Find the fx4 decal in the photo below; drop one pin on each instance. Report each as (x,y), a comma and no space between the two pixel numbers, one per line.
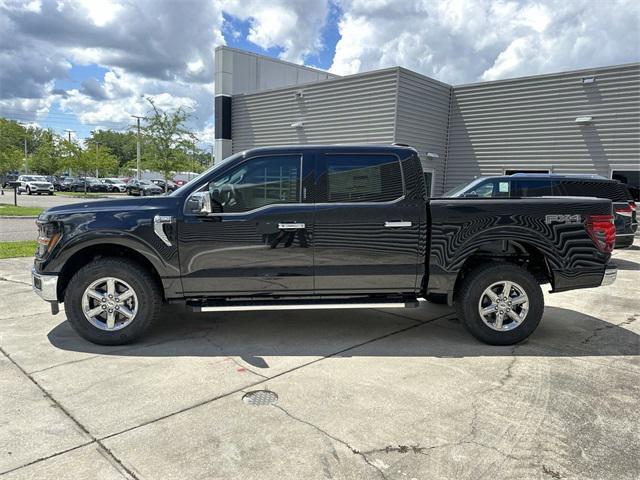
(562,218)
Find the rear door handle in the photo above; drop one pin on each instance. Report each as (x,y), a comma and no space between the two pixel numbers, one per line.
(397,224)
(291,226)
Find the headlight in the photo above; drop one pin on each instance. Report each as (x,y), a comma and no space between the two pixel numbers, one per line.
(48,236)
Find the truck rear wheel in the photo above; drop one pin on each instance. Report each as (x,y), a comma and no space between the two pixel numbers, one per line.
(500,304)
(112,301)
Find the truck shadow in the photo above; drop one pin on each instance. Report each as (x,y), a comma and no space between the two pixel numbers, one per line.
(623,264)
(256,335)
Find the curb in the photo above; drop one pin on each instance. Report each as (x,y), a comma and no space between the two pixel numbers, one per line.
(20,217)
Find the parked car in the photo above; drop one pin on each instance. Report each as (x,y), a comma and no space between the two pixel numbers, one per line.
(318,227)
(523,185)
(89,184)
(66,184)
(34,184)
(143,188)
(9,179)
(54,180)
(115,185)
(171,187)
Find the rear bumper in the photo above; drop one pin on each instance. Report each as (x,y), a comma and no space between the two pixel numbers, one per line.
(45,285)
(610,274)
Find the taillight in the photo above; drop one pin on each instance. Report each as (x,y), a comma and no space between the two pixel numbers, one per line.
(627,210)
(633,205)
(602,231)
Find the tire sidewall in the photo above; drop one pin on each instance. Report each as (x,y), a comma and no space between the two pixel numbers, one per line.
(144,287)
(475,285)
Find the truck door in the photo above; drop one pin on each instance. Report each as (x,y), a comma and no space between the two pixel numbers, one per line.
(367,232)
(258,238)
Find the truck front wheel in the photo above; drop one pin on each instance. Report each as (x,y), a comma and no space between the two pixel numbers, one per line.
(500,304)
(112,301)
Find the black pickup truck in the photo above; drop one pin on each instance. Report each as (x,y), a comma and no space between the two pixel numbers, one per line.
(318,227)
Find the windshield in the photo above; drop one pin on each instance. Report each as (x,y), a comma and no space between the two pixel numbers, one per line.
(35,178)
(208,171)
(460,189)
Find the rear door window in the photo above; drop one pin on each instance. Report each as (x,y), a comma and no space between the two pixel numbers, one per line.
(359,178)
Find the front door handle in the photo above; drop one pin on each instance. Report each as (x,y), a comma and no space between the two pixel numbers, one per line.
(396,224)
(291,226)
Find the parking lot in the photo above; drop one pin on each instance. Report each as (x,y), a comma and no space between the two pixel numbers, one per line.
(398,394)
(15,229)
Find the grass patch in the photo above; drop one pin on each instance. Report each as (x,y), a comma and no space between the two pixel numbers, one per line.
(82,194)
(25,248)
(13,211)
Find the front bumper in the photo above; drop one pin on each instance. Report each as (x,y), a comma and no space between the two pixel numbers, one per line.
(610,274)
(45,285)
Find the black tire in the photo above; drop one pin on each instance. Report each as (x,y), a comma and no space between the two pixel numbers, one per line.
(29,191)
(471,291)
(142,193)
(50,193)
(437,298)
(141,281)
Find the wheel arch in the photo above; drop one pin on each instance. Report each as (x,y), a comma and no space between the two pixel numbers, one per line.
(515,252)
(92,252)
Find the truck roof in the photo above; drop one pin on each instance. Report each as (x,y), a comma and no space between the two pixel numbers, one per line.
(350,147)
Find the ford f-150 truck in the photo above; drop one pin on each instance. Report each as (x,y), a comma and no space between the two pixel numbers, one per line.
(318,227)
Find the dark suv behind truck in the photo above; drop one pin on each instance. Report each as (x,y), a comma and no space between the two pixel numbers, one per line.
(522,185)
(318,227)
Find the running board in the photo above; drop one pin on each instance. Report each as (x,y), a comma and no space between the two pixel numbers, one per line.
(290,305)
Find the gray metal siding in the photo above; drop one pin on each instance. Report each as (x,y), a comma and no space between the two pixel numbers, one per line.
(421,120)
(529,123)
(355,109)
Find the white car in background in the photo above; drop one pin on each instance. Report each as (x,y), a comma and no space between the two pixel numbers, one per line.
(115,184)
(32,184)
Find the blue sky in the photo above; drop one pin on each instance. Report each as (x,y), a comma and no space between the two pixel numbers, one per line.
(85,64)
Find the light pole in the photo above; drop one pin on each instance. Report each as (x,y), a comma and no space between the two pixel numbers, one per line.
(137,117)
(97,162)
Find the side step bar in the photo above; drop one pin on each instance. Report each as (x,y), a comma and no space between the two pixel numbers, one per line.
(291,305)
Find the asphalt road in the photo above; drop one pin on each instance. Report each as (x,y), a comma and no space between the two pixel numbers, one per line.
(15,229)
(366,394)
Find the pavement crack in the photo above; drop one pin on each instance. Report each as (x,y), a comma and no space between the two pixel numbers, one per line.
(5,279)
(68,415)
(335,439)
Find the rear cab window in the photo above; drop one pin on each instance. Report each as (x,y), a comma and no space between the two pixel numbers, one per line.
(532,188)
(491,189)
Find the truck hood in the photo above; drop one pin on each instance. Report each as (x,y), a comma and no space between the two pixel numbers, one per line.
(114,206)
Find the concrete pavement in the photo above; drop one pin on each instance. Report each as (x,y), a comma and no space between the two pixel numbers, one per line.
(361,394)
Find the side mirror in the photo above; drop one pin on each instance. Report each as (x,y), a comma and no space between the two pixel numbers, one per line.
(199,204)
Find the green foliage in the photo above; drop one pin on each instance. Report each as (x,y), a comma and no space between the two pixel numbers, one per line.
(11,160)
(169,139)
(47,159)
(122,145)
(100,160)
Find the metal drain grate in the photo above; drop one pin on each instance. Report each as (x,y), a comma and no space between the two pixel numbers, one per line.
(260,398)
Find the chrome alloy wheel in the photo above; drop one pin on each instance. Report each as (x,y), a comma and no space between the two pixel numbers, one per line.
(503,306)
(109,304)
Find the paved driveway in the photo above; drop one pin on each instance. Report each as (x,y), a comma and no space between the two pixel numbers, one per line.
(361,394)
(14,229)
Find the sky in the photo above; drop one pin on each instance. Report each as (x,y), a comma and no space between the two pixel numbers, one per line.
(89,64)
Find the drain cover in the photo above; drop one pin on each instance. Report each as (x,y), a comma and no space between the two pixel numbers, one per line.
(260,398)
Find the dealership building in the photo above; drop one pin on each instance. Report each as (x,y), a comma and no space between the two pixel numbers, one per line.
(577,122)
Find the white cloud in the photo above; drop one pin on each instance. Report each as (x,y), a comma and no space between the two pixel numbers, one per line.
(460,41)
(294,26)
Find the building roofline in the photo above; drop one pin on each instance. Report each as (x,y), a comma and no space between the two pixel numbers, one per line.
(276,60)
(582,71)
(300,86)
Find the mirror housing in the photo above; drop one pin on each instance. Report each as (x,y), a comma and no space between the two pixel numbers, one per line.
(199,204)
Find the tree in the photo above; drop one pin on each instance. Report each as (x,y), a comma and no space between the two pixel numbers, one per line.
(122,145)
(47,159)
(169,139)
(11,160)
(100,161)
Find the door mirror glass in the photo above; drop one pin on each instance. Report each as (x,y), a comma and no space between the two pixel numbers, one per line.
(199,204)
